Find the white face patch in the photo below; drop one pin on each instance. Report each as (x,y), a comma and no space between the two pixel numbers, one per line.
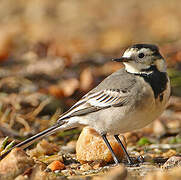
(130,68)
(133,67)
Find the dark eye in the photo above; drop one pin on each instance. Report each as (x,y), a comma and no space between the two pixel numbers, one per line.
(141,55)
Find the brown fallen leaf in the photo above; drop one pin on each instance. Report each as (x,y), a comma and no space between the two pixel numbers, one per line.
(43,148)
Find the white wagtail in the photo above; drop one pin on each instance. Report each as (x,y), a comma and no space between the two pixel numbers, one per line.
(128,99)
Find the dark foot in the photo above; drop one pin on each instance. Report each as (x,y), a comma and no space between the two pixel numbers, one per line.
(130,161)
(135,162)
(140,159)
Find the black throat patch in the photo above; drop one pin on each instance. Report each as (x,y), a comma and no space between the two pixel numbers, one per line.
(157,80)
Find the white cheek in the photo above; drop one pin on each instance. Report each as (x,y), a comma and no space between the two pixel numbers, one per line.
(132,68)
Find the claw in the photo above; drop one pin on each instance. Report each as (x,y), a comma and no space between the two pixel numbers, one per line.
(140,159)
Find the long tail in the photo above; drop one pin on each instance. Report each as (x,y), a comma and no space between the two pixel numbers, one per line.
(46,132)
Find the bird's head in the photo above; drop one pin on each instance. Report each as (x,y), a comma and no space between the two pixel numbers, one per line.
(142,58)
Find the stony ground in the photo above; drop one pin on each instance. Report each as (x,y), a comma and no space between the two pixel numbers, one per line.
(51,54)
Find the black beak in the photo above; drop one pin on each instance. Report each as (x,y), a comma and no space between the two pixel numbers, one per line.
(122,59)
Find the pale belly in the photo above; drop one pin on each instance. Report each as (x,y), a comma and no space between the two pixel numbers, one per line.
(117,120)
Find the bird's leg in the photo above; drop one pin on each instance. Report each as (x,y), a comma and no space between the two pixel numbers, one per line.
(126,153)
(110,148)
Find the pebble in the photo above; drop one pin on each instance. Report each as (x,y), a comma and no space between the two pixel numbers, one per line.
(85,167)
(56,165)
(91,147)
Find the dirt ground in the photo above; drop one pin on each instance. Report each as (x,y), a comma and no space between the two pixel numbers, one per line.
(54,52)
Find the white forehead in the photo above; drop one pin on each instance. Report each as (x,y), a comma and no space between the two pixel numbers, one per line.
(133,51)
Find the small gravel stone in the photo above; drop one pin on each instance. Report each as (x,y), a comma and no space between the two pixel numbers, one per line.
(85,167)
(56,165)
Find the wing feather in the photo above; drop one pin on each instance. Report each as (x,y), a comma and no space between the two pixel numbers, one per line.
(96,101)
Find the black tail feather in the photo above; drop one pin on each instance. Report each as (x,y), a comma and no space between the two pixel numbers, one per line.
(24,144)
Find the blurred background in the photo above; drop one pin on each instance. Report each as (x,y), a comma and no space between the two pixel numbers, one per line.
(53,52)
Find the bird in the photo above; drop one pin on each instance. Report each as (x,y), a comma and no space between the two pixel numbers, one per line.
(127,100)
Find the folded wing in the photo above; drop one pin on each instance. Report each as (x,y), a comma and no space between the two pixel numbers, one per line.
(96,101)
